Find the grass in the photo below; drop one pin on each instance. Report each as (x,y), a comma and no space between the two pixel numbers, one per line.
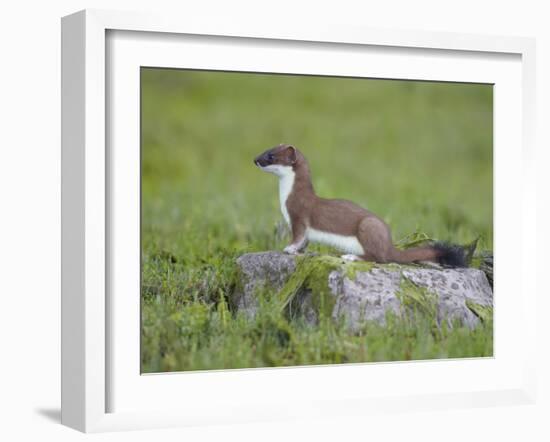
(418,154)
(202,336)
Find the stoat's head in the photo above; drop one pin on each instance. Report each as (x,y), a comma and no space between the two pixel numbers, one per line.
(279,160)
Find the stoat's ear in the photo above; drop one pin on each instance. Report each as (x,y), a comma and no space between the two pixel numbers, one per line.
(291,154)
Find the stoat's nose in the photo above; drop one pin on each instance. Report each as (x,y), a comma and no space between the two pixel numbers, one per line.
(258,161)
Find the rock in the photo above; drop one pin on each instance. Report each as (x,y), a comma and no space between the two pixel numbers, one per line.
(271,269)
(310,285)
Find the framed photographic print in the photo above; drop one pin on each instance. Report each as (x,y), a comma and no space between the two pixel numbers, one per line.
(355,275)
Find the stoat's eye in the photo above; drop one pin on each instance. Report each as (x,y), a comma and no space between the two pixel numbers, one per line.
(270,157)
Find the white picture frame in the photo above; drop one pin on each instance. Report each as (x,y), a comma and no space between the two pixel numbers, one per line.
(88,321)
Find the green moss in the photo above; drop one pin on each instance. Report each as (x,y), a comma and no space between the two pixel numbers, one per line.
(483,312)
(312,273)
(418,300)
(351,268)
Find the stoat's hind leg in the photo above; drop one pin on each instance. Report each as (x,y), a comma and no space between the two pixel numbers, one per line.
(375,238)
(351,258)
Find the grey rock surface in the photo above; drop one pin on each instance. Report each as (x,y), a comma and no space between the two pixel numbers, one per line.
(366,295)
(258,270)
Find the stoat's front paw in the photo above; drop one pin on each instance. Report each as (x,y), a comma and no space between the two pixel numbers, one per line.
(291,249)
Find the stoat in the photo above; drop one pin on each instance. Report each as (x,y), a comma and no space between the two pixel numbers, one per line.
(360,234)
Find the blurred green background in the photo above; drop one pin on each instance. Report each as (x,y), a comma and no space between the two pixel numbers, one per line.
(418,154)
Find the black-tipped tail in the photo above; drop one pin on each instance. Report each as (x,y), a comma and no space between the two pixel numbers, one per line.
(450,255)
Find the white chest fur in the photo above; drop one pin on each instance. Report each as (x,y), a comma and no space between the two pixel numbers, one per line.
(286,182)
(348,244)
